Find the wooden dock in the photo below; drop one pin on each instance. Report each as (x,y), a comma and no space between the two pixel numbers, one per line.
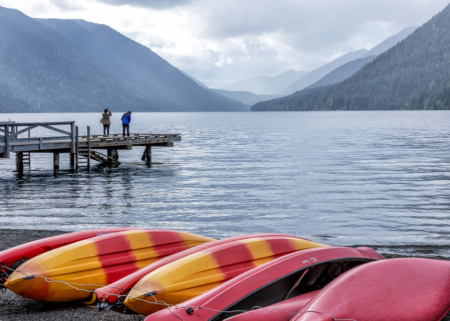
(82,148)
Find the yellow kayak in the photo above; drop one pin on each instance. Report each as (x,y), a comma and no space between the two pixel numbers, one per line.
(94,263)
(197,273)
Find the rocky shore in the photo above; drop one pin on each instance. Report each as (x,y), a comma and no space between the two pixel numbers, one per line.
(14,307)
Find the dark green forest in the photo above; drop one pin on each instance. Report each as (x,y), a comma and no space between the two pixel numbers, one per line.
(413,75)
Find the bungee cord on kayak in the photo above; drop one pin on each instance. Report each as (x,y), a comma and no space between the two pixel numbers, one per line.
(29,276)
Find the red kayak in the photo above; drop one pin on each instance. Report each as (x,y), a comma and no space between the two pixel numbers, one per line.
(407,289)
(112,296)
(281,279)
(14,257)
(282,311)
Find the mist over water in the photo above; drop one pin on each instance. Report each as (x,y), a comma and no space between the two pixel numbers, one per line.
(341,178)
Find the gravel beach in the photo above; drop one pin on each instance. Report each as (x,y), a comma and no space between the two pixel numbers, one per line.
(14,307)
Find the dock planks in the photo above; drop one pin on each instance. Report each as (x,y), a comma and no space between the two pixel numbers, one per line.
(11,142)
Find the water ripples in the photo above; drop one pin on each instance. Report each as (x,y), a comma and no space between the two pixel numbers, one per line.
(377,178)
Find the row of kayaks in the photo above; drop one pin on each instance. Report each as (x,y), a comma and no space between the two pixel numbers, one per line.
(171,275)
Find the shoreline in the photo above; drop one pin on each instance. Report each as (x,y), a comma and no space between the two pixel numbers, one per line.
(15,307)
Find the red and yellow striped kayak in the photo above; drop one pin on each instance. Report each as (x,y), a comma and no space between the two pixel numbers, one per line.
(12,258)
(202,271)
(110,293)
(94,263)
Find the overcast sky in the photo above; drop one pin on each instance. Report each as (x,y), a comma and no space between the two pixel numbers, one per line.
(221,41)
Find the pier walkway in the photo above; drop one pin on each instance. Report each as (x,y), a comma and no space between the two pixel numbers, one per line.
(17,138)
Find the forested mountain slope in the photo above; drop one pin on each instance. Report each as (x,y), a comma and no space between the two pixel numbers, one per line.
(414,74)
(198,82)
(81,66)
(41,71)
(163,85)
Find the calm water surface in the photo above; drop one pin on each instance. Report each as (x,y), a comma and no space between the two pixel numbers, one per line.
(343,178)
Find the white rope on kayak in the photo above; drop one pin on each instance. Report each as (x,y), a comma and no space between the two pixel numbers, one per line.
(30,275)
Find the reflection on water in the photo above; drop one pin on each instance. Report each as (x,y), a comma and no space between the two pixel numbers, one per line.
(336,177)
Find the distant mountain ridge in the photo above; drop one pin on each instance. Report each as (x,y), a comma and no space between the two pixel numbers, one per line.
(51,65)
(414,74)
(343,72)
(331,73)
(317,74)
(245,97)
(266,85)
(349,69)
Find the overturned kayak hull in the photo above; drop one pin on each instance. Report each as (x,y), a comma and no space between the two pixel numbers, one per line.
(72,272)
(408,289)
(12,258)
(202,271)
(284,278)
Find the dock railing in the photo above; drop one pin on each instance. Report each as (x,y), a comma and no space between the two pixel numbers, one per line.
(10,131)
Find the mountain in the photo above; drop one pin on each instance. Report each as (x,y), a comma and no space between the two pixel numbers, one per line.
(73,65)
(317,74)
(343,72)
(349,69)
(390,42)
(198,82)
(414,74)
(264,85)
(245,97)
(140,68)
(40,70)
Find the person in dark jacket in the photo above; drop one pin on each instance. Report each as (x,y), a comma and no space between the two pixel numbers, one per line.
(106,121)
(126,119)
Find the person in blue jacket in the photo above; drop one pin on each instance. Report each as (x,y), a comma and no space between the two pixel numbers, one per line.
(126,119)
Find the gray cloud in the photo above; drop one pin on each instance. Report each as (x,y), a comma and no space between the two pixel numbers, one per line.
(316,24)
(66,5)
(151,4)
(302,34)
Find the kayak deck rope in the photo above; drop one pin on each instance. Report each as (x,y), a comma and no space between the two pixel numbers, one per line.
(189,309)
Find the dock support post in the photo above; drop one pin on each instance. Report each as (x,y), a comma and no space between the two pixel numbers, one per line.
(6,153)
(76,149)
(72,161)
(19,162)
(147,156)
(73,146)
(110,155)
(115,154)
(89,148)
(55,163)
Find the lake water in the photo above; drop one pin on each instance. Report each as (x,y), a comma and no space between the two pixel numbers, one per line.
(342,178)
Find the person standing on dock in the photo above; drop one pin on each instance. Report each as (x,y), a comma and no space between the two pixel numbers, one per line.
(106,121)
(126,119)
